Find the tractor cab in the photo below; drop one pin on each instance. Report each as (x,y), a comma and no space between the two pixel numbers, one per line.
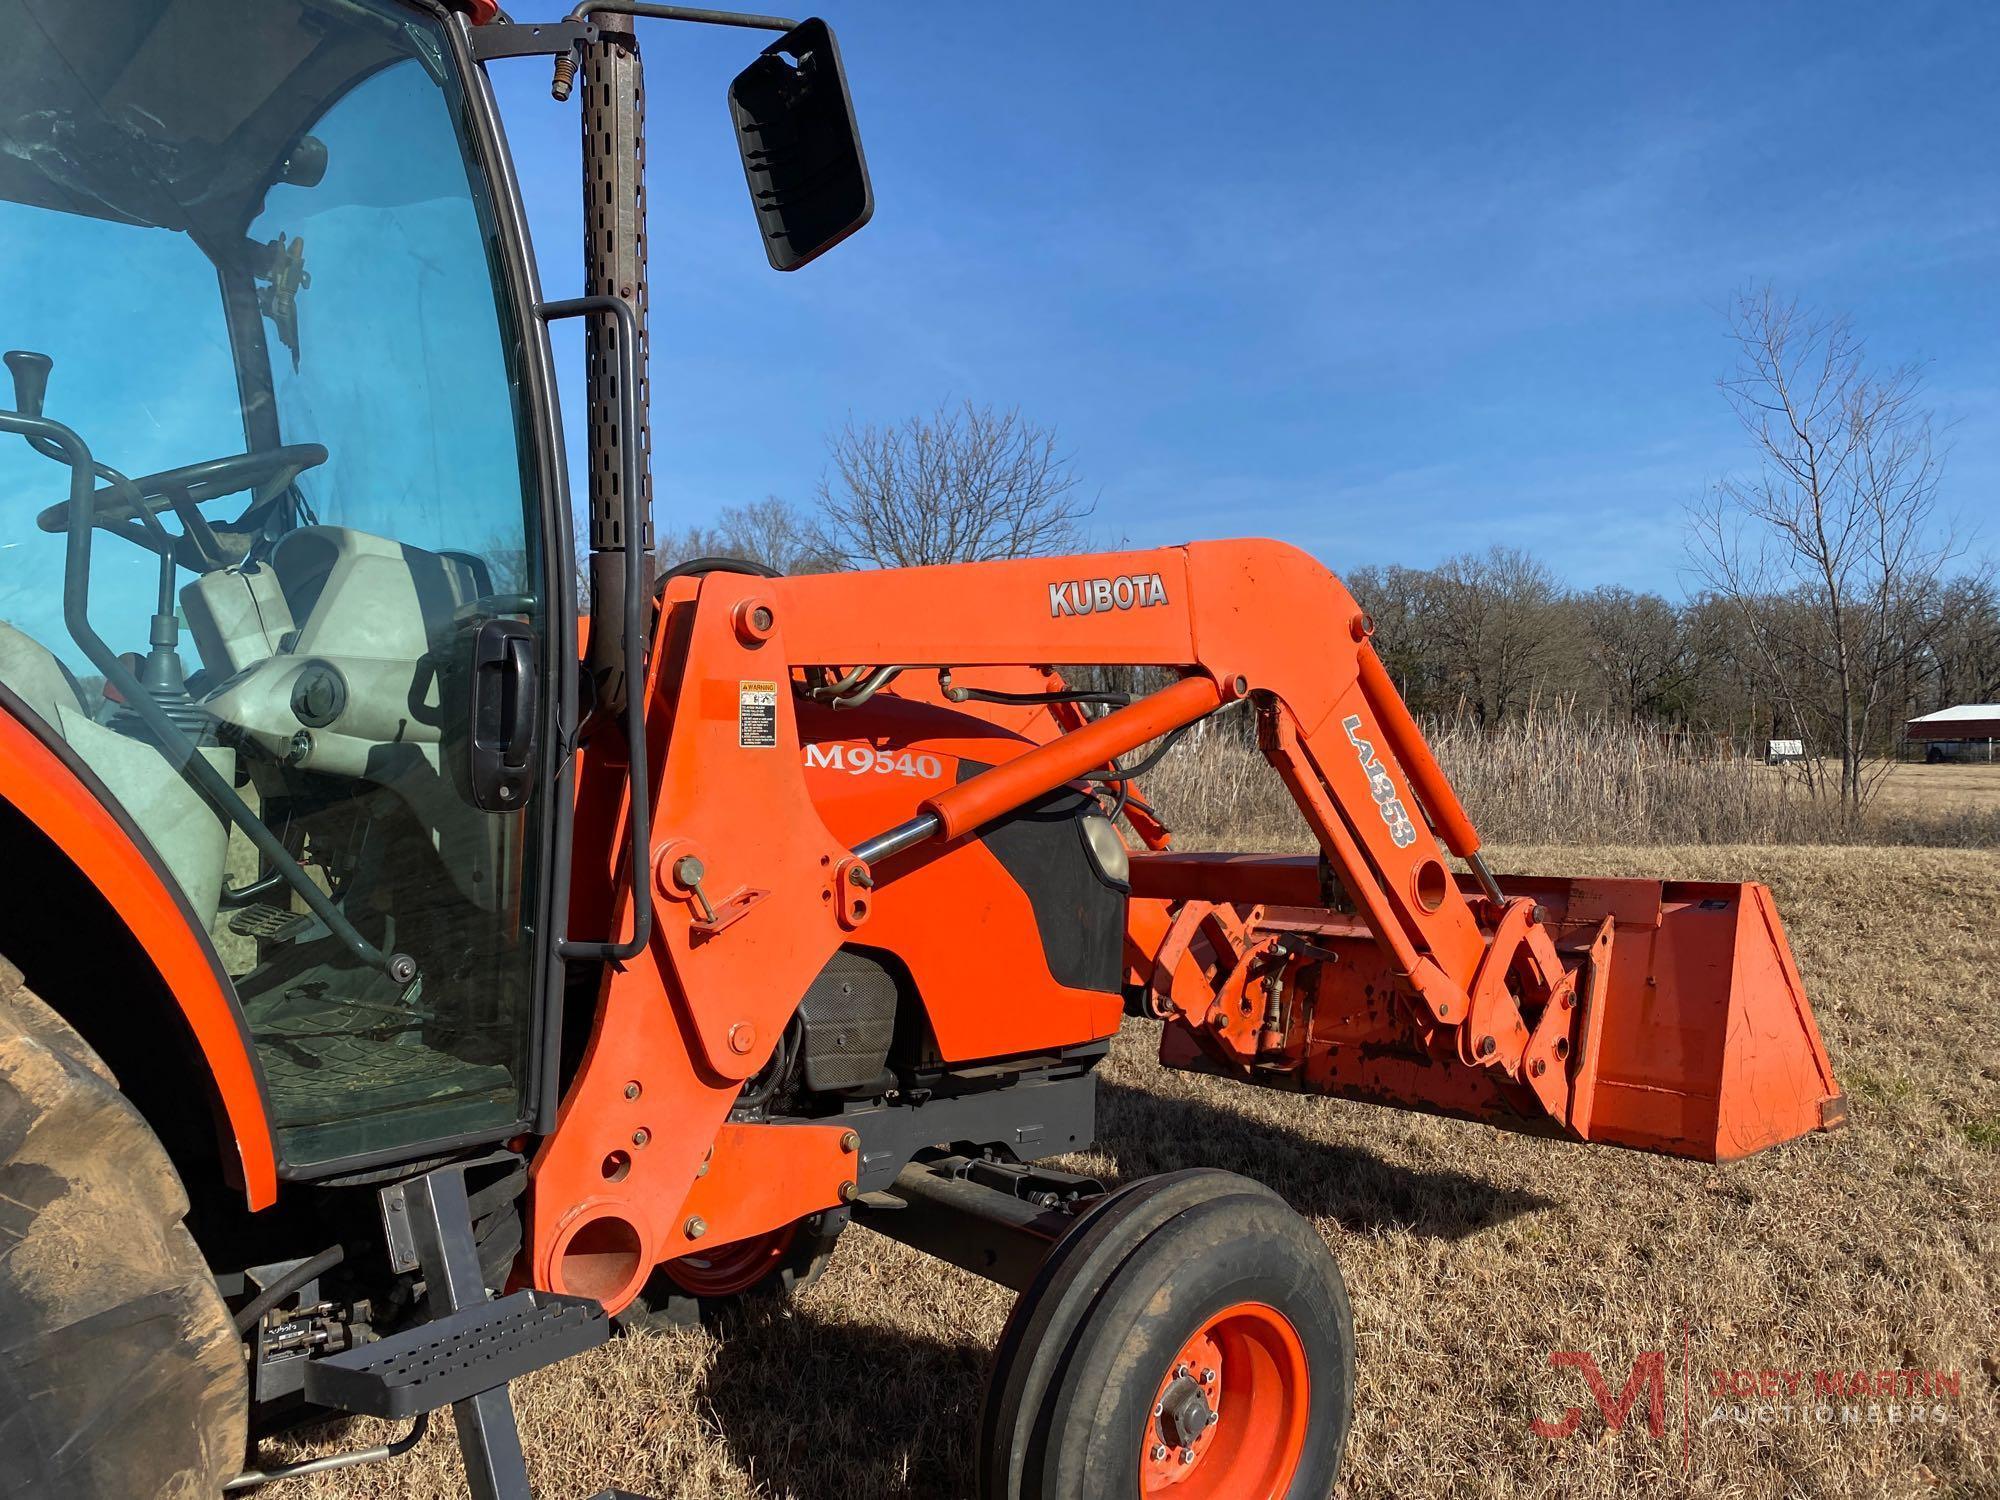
(290,557)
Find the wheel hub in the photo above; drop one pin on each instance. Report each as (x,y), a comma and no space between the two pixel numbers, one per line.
(1250,1354)
(1185,1413)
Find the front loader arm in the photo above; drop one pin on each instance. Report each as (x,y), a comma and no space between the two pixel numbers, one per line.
(1241,619)
(1568,1007)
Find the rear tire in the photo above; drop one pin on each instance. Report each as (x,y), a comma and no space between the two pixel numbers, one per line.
(704,1289)
(120,1372)
(1204,1269)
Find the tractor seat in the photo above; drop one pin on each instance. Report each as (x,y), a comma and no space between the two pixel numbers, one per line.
(188,835)
(32,673)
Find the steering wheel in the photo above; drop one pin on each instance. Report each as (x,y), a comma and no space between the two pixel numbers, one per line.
(270,470)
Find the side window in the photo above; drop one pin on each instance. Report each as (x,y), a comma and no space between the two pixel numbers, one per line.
(389,332)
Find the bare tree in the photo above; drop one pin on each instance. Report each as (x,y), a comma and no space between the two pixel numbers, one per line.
(1638,647)
(1494,619)
(1402,603)
(768,532)
(1822,548)
(964,484)
(1964,664)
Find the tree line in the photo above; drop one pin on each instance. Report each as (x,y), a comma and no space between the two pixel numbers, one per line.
(1495,634)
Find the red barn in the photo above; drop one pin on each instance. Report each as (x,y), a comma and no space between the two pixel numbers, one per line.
(1959,729)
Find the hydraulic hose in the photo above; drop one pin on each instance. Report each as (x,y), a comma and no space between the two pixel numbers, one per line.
(317,1265)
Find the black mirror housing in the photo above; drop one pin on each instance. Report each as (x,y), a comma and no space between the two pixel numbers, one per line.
(801,148)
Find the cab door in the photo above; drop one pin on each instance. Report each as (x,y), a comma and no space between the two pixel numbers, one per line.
(419,616)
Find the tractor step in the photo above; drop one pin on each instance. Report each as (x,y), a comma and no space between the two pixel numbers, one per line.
(457,1356)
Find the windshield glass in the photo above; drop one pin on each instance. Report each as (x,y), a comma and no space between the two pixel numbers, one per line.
(251,247)
(139,286)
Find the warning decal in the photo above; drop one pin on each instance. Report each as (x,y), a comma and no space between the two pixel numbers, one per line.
(757,715)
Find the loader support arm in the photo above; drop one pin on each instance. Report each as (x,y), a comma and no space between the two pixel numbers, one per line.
(1382,976)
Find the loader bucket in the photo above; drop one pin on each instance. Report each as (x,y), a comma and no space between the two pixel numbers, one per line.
(1700,1042)
(1693,1038)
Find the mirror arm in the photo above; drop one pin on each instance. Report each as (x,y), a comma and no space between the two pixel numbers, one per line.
(697,14)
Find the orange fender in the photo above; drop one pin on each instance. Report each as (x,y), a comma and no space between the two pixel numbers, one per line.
(65,802)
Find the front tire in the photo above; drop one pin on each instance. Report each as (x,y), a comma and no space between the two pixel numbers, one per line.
(121,1374)
(1200,1345)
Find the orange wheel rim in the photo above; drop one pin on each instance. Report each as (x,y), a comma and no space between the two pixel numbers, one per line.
(1228,1419)
(731,1269)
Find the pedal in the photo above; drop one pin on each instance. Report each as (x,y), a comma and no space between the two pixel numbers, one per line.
(272,923)
(458,1356)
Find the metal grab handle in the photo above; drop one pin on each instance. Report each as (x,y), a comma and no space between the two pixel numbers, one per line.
(635,630)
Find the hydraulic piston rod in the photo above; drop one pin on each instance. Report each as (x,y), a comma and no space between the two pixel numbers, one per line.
(992,794)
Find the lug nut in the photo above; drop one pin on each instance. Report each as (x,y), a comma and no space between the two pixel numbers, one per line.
(1208,1377)
(1187,1455)
(1159,1408)
(1159,1452)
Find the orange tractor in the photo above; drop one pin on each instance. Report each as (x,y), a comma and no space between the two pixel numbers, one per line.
(398,988)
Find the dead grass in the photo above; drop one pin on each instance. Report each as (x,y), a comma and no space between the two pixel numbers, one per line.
(1974,787)
(1558,777)
(1471,1256)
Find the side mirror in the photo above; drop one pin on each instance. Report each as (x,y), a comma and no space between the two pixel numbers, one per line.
(801,149)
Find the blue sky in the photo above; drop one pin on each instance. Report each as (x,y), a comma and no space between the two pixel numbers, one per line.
(1387,281)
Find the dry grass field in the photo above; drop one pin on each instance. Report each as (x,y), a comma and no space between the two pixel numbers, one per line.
(1972,787)
(1471,1256)
(1554,776)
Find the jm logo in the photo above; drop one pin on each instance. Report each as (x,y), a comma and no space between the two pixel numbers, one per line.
(1648,1377)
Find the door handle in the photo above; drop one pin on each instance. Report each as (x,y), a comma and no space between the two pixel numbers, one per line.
(504,712)
(520,705)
